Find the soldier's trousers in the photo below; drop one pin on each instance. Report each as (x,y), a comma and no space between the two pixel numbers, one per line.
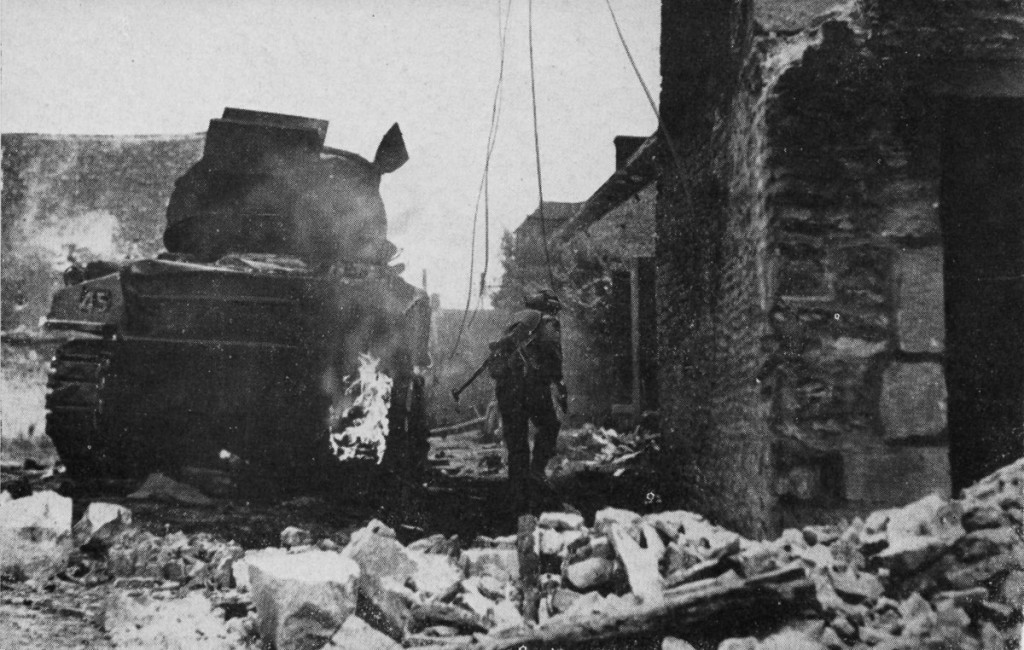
(521,402)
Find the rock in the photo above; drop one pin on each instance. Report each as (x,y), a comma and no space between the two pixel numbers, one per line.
(140,621)
(435,575)
(551,542)
(35,535)
(789,640)
(625,518)
(491,587)
(240,574)
(357,634)
(502,563)
(1012,589)
(831,640)
(426,544)
(561,521)
(858,586)
(590,573)
(746,643)
(158,487)
(294,536)
(931,516)
(985,543)
(906,554)
(379,554)
(563,599)
(962,597)
(386,605)
(301,599)
(672,643)
(965,577)
(100,523)
(820,534)
(504,615)
(983,516)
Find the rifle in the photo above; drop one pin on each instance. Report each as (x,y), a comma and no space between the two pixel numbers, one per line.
(503,344)
(479,371)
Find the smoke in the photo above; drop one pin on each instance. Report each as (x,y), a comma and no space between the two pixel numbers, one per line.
(362,428)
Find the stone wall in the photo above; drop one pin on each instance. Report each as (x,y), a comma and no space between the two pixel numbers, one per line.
(105,196)
(800,253)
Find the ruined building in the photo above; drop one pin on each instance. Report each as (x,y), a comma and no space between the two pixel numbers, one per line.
(840,252)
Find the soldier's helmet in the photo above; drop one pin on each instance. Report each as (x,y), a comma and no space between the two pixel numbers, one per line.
(545,301)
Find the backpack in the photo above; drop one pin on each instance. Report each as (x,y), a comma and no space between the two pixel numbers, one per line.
(507,353)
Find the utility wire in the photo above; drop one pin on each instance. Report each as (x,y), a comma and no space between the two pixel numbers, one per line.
(491,138)
(669,142)
(536,147)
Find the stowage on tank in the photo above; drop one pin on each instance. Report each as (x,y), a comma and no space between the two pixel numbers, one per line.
(239,341)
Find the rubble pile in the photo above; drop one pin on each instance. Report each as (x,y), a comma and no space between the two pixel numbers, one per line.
(596,448)
(933,574)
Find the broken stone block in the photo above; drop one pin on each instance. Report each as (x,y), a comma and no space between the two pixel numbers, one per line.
(294,536)
(379,554)
(301,599)
(625,518)
(427,543)
(562,600)
(100,523)
(830,639)
(357,634)
(745,643)
(1012,589)
(931,515)
(552,542)
(35,535)
(561,521)
(908,554)
(858,586)
(590,573)
(965,577)
(435,575)
(502,563)
(962,597)
(821,534)
(386,605)
(672,643)
(983,516)
(504,616)
(986,543)
(159,487)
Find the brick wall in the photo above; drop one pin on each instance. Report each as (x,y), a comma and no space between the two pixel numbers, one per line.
(800,256)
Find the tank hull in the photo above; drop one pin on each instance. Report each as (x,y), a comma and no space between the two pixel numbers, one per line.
(191,365)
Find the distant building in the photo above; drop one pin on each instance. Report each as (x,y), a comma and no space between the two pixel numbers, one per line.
(601,254)
(616,225)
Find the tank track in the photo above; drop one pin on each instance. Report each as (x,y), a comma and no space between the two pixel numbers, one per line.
(77,411)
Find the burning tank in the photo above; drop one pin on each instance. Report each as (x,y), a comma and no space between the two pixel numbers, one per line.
(273,332)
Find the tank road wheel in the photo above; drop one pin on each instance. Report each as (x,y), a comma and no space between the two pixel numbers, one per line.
(78,412)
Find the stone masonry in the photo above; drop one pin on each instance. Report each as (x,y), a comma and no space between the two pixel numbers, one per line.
(801,297)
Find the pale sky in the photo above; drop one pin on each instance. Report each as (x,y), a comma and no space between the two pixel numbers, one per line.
(169,66)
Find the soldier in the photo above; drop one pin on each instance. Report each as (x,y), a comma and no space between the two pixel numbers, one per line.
(524,364)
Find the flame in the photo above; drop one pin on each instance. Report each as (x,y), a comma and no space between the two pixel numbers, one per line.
(366,420)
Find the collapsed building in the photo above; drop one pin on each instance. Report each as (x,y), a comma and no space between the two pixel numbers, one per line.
(839,252)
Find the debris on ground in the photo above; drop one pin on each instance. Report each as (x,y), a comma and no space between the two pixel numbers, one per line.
(35,535)
(101,522)
(159,487)
(303,598)
(592,448)
(936,573)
